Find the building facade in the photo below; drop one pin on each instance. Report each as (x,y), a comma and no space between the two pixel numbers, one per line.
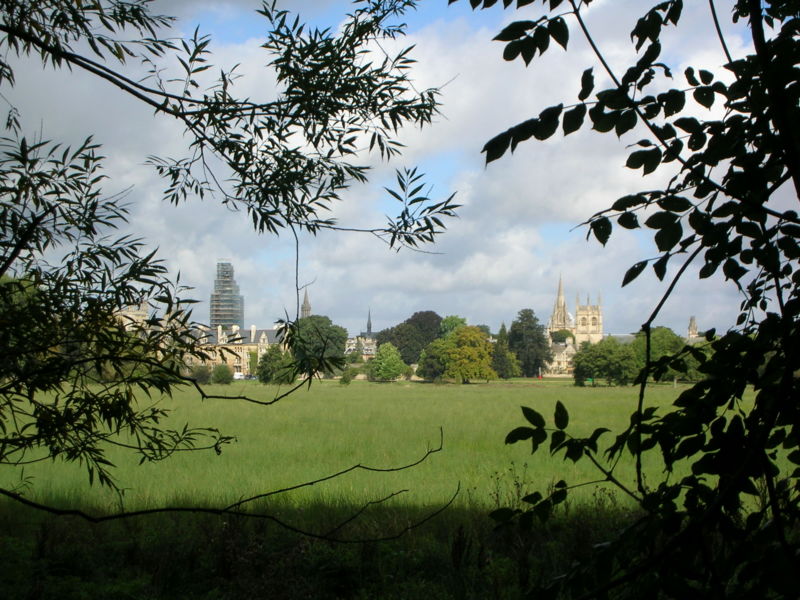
(586,325)
(227,304)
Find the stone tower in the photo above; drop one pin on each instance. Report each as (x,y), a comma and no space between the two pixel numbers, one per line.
(585,326)
(369,323)
(560,318)
(305,310)
(588,321)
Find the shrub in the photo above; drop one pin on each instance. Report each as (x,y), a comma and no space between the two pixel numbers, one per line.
(222,374)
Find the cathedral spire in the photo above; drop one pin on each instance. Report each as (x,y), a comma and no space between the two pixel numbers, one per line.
(369,321)
(305,310)
(560,317)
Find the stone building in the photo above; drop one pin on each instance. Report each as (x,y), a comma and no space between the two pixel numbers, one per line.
(235,347)
(369,345)
(585,326)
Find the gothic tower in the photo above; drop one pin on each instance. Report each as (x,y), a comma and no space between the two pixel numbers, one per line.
(560,318)
(305,310)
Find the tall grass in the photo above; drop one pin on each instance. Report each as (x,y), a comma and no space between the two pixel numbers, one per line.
(330,427)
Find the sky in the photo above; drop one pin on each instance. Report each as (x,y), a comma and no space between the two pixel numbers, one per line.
(518,230)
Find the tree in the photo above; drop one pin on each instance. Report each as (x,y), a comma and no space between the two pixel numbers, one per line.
(664,343)
(283,162)
(504,362)
(528,341)
(428,323)
(222,374)
(607,359)
(412,335)
(318,345)
(387,364)
(470,356)
(561,336)
(450,323)
(406,338)
(276,366)
(433,360)
(730,143)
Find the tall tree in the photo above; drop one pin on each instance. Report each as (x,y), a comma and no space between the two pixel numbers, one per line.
(607,359)
(504,362)
(318,345)
(470,356)
(528,341)
(412,335)
(387,364)
(727,142)
(283,162)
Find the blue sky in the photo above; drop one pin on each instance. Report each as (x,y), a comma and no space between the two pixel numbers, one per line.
(516,233)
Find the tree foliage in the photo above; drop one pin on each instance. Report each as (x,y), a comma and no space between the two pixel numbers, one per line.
(317,345)
(276,366)
(724,516)
(412,335)
(387,364)
(222,374)
(607,359)
(450,323)
(470,356)
(504,362)
(65,275)
(528,341)
(433,359)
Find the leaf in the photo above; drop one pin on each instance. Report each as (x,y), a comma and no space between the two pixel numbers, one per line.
(558,30)
(628,220)
(556,439)
(688,124)
(497,146)
(668,236)
(533,417)
(548,122)
(573,119)
(675,203)
(626,122)
(704,96)
(647,159)
(512,50)
(587,84)
(633,272)
(602,229)
(561,416)
(690,77)
(514,31)
(660,220)
(660,266)
(519,434)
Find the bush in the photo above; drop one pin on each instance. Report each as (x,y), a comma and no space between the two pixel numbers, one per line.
(222,374)
(348,375)
(201,374)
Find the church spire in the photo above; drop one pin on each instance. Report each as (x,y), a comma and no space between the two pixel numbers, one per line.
(560,317)
(305,310)
(369,321)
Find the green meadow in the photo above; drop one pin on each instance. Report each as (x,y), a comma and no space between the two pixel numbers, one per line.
(307,436)
(325,429)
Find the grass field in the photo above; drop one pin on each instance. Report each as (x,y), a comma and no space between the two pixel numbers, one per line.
(330,427)
(309,435)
